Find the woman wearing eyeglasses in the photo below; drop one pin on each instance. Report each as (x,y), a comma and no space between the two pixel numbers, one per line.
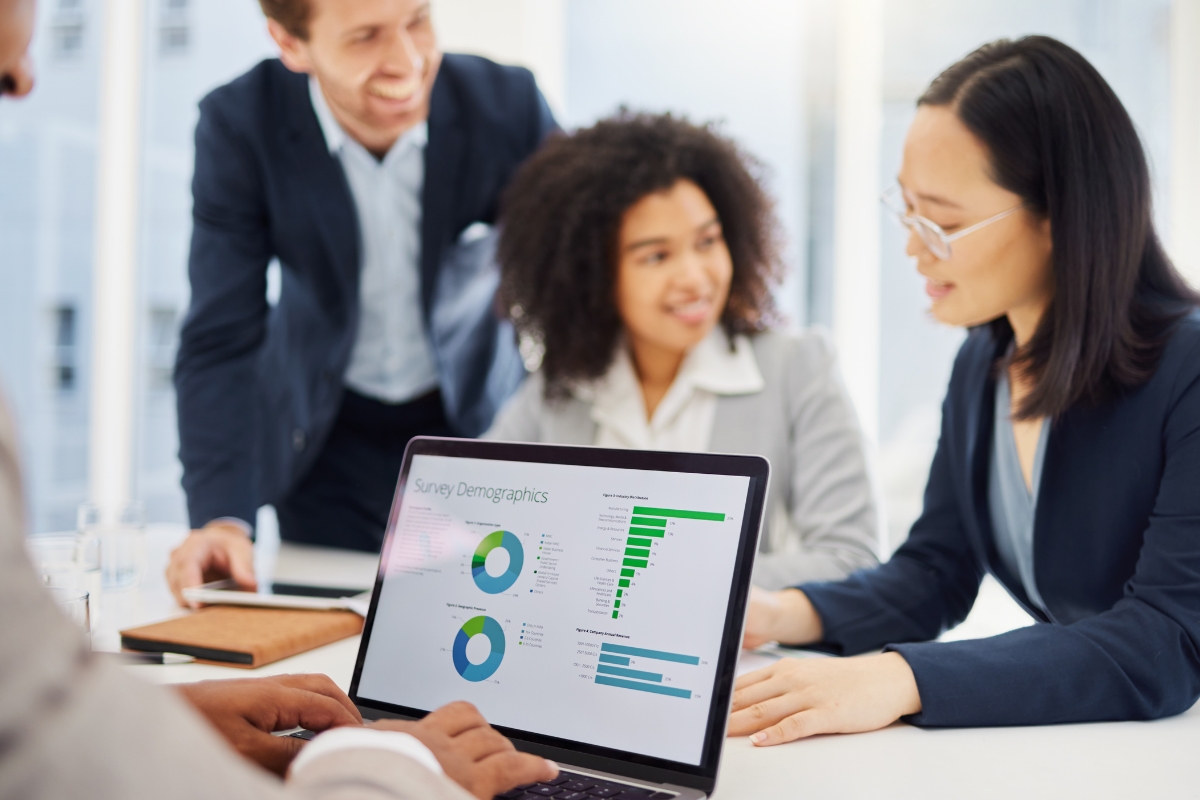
(641,253)
(1069,459)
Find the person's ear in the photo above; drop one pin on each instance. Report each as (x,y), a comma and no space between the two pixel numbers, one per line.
(293,51)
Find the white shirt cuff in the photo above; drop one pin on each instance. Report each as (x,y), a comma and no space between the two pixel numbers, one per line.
(337,739)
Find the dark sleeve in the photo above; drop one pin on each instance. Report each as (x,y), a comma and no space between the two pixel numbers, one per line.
(544,123)
(215,375)
(927,587)
(1139,660)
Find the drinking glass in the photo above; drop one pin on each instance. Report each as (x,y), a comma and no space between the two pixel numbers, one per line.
(122,536)
(67,561)
(75,605)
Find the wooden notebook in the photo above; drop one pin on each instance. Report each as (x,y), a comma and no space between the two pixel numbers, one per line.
(234,636)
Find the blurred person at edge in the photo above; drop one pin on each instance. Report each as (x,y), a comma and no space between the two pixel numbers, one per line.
(75,725)
(369,165)
(1069,456)
(641,252)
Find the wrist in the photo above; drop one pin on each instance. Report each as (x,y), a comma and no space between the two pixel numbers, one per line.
(901,677)
(798,621)
(226,525)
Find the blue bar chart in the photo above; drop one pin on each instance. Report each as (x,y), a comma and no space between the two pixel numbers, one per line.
(616,669)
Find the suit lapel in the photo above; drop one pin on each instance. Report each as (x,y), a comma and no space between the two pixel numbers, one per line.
(444,156)
(326,192)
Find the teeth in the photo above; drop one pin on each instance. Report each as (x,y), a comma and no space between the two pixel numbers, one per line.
(394,91)
(699,305)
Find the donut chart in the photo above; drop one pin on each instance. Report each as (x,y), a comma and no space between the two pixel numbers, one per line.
(495,634)
(516,557)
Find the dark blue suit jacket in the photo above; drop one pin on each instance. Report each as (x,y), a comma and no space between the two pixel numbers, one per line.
(1116,557)
(258,388)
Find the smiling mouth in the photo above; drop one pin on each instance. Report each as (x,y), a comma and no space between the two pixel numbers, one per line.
(395,90)
(695,311)
(937,289)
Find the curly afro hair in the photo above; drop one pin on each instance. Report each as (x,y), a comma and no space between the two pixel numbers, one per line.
(560,224)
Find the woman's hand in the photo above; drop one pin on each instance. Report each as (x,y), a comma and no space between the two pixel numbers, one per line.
(786,617)
(798,697)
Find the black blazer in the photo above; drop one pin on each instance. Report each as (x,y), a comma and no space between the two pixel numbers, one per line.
(258,388)
(1116,558)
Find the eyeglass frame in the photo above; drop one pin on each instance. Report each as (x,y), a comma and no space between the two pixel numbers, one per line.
(917,223)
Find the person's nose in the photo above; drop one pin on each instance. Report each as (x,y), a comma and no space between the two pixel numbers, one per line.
(915,246)
(18,81)
(693,272)
(403,57)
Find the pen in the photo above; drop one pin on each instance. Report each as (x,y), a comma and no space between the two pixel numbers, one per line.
(152,658)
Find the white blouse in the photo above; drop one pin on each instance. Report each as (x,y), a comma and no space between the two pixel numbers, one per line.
(683,420)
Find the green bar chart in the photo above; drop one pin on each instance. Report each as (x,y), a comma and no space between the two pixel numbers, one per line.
(648,529)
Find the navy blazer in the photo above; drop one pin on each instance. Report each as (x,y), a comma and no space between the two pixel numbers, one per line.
(258,388)
(1116,557)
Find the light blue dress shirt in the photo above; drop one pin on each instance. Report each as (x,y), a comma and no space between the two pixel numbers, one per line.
(392,359)
(1011,503)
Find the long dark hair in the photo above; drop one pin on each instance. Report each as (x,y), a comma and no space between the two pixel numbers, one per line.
(560,220)
(1060,139)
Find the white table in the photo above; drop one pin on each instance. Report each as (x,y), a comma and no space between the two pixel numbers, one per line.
(1119,760)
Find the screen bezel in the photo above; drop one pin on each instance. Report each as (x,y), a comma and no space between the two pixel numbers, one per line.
(582,754)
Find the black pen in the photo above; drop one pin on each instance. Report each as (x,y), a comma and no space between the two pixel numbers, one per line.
(151,658)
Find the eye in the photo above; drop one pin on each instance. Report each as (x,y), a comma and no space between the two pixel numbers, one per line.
(422,18)
(365,35)
(655,257)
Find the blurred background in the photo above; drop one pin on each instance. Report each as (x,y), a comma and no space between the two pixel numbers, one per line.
(820,92)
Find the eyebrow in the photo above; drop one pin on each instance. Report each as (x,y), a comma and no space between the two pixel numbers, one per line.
(931,198)
(663,239)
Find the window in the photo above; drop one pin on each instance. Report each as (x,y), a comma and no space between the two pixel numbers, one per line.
(161,340)
(67,29)
(64,368)
(174,32)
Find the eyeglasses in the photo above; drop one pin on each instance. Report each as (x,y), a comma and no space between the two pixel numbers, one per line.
(936,239)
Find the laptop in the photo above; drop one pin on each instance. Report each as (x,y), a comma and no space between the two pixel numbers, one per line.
(588,601)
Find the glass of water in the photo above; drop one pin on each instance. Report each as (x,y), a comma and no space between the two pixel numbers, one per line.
(122,536)
(75,605)
(67,561)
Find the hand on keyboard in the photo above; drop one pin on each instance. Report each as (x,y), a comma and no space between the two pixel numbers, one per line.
(472,753)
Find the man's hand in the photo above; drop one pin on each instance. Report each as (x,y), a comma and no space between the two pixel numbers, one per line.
(218,550)
(472,753)
(246,711)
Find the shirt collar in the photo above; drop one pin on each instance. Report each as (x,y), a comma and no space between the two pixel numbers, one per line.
(336,136)
(710,366)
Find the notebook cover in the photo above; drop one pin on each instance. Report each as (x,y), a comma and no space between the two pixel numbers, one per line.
(243,636)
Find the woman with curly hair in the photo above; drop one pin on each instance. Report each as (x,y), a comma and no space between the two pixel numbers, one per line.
(640,254)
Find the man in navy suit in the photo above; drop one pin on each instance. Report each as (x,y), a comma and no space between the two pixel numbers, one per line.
(368,165)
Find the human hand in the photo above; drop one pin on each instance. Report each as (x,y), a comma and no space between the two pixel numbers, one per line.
(786,617)
(798,697)
(472,753)
(218,550)
(245,712)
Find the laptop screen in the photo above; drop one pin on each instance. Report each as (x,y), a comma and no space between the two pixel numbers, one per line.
(583,603)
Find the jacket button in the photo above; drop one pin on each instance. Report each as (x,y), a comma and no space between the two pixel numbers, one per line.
(298,440)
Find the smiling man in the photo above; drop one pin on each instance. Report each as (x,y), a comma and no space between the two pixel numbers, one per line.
(361,160)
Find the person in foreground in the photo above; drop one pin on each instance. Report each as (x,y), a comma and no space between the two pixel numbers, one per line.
(74,725)
(1069,460)
(641,253)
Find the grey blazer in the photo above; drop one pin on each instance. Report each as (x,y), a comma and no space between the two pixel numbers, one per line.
(74,726)
(821,519)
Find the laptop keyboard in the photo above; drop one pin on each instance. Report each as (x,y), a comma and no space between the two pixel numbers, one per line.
(573,786)
(567,786)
